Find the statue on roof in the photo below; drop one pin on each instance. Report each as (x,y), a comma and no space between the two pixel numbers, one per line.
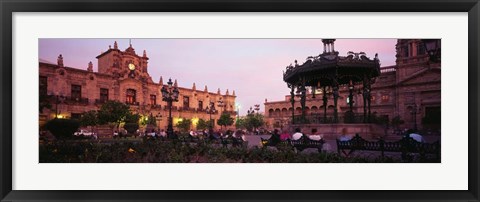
(60,60)
(90,67)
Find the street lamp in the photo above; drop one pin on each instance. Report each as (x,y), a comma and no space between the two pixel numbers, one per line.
(58,99)
(210,110)
(170,94)
(250,111)
(257,107)
(433,48)
(221,104)
(414,112)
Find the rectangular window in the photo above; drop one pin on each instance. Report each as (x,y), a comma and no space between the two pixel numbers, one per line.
(385,98)
(76,92)
(131,96)
(103,94)
(420,49)
(153,100)
(186,102)
(43,85)
(200,105)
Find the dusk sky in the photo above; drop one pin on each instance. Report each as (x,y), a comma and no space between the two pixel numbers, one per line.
(251,67)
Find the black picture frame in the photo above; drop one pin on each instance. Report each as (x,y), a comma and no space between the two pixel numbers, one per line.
(8,7)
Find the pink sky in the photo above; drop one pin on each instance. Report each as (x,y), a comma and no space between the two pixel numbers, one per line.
(251,67)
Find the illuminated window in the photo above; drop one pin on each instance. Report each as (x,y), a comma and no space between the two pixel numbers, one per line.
(153,100)
(385,98)
(131,96)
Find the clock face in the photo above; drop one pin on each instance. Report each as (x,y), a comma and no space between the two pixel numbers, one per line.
(131,66)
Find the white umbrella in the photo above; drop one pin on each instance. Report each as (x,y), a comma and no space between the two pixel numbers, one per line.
(416,137)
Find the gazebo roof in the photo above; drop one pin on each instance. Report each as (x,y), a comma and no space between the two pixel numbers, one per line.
(324,67)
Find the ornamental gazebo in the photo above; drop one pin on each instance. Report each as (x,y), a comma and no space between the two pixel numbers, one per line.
(328,72)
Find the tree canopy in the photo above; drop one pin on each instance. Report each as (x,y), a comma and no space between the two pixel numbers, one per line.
(225,120)
(113,112)
(89,118)
(184,125)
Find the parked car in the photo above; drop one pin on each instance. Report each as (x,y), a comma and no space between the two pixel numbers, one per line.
(84,133)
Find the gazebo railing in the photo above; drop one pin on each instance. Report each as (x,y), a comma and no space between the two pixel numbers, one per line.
(320,119)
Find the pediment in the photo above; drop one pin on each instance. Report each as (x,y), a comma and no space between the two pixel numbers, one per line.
(425,75)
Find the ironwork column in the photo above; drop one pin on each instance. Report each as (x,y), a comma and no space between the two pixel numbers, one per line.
(325,102)
(365,100)
(292,100)
(335,99)
(303,100)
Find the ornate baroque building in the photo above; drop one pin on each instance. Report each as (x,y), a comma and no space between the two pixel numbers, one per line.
(122,76)
(411,89)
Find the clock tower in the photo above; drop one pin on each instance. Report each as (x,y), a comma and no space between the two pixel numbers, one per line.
(124,64)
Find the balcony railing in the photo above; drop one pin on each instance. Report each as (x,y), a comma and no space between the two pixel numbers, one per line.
(156,106)
(132,103)
(320,119)
(77,100)
(100,101)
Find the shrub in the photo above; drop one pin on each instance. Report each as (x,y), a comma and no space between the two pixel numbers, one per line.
(131,127)
(62,128)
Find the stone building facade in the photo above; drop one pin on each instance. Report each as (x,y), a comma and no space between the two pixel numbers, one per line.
(123,76)
(410,89)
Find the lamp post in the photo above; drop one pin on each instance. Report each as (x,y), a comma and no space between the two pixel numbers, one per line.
(58,99)
(210,110)
(257,108)
(221,104)
(433,48)
(170,94)
(415,109)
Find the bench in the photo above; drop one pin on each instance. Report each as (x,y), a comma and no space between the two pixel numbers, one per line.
(406,146)
(303,143)
(234,141)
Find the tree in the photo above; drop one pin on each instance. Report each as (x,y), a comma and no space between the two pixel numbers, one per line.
(132,118)
(113,112)
(254,121)
(202,124)
(240,123)
(184,125)
(62,128)
(89,118)
(225,120)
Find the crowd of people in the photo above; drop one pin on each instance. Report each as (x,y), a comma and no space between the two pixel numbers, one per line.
(297,134)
